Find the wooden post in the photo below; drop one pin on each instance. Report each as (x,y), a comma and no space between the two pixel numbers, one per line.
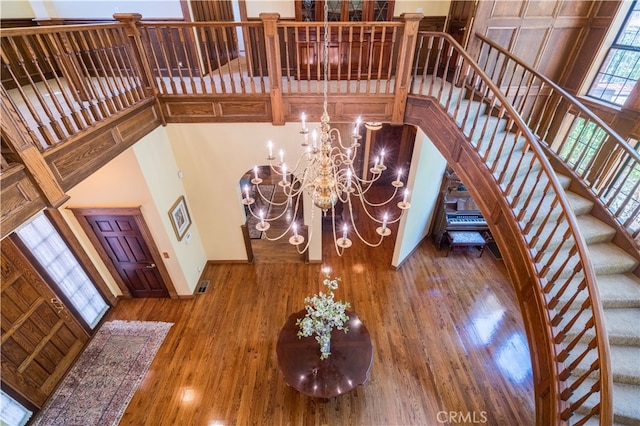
(15,134)
(132,20)
(272,45)
(405,61)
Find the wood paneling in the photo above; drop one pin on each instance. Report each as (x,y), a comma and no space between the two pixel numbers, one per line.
(195,109)
(20,199)
(80,157)
(341,108)
(550,36)
(40,338)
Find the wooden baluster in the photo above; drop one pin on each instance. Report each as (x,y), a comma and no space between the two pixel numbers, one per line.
(59,133)
(49,139)
(110,48)
(185,42)
(116,37)
(107,106)
(204,39)
(218,63)
(89,111)
(176,58)
(227,55)
(68,126)
(71,68)
(105,73)
(288,46)
(80,118)
(33,137)
(359,39)
(152,51)
(391,61)
(160,33)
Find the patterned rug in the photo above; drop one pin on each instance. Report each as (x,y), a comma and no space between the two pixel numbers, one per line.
(99,386)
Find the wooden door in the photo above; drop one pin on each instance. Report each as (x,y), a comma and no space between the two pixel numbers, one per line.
(123,243)
(40,338)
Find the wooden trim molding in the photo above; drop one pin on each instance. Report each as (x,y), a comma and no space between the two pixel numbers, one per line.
(81,214)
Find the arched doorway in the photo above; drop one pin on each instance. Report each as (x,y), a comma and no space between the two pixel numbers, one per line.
(271,245)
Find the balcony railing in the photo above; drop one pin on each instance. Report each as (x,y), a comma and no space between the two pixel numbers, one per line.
(63,81)
(608,165)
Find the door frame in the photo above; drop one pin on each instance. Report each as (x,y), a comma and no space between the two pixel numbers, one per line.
(81,215)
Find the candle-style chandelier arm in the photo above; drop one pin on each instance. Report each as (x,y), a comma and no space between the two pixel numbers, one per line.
(355,228)
(382,203)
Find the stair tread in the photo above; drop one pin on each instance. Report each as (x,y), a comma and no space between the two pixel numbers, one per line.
(594,230)
(625,401)
(624,289)
(579,204)
(623,322)
(625,363)
(608,258)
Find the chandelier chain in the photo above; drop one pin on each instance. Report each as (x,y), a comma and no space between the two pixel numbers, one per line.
(325,54)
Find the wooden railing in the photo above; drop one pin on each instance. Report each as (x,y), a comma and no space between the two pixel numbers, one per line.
(607,164)
(205,57)
(64,82)
(564,283)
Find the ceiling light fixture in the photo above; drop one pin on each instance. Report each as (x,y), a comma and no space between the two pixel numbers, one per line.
(326,172)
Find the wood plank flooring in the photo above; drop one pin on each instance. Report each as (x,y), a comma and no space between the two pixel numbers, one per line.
(449,345)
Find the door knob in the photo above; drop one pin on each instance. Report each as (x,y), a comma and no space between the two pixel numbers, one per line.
(153,265)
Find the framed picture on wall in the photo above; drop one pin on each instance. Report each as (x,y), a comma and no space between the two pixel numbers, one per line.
(180,218)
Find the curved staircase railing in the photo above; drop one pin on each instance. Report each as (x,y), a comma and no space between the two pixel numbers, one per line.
(563,276)
(607,164)
(92,74)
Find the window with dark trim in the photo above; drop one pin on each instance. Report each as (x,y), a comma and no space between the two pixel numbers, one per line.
(620,69)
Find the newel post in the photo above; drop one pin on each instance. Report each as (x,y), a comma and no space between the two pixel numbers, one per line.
(272,45)
(17,136)
(406,54)
(132,30)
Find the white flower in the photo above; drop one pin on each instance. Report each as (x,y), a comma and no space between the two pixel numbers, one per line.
(323,315)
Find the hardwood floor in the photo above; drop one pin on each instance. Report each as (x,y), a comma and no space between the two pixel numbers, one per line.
(449,345)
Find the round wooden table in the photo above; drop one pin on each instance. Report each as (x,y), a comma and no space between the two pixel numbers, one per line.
(347,367)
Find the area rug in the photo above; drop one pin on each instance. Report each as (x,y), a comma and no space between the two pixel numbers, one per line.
(267,192)
(99,386)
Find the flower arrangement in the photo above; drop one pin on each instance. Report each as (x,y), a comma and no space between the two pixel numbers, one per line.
(323,315)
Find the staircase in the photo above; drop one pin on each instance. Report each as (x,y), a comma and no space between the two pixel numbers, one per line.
(619,289)
(619,293)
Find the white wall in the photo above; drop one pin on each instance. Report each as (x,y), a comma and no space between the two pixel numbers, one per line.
(160,9)
(214,156)
(427,168)
(160,171)
(102,9)
(124,182)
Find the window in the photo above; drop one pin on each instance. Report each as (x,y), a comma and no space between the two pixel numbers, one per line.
(50,250)
(12,413)
(621,67)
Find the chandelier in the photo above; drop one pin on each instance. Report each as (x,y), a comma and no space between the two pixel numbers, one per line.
(325,171)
